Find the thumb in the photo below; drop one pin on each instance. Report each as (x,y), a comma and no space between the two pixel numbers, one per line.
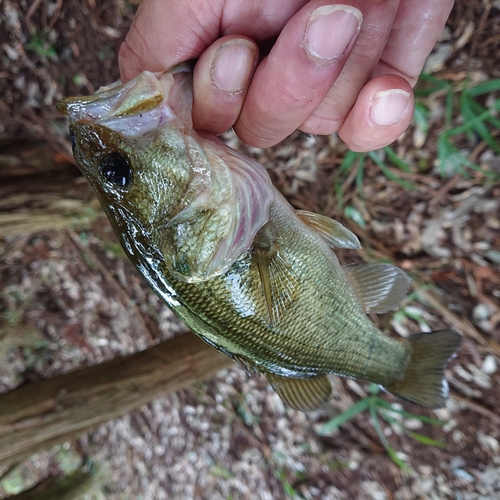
(166,33)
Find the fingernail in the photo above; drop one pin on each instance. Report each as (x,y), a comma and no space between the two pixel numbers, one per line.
(233,65)
(389,106)
(329,32)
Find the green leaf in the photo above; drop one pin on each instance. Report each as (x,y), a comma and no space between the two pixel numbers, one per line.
(421,118)
(341,419)
(354,214)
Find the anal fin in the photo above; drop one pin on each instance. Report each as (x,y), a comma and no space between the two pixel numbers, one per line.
(301,394)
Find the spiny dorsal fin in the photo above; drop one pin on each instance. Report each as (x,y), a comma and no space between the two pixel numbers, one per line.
(279,283)
(335,234)
(301,394)
(379,287)
(423,382)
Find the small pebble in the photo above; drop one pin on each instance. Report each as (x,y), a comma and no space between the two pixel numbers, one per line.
(481,311)
(462,474)
(490,364)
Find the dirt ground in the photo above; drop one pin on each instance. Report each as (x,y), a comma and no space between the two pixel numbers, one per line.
(69,298)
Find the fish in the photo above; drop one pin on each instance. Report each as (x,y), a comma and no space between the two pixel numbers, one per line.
(253,277)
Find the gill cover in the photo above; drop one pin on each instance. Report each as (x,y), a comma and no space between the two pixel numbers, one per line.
(229,194)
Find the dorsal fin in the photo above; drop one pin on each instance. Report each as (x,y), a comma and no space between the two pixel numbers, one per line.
(301,394)
(280,284)
(379,287)
(335,234)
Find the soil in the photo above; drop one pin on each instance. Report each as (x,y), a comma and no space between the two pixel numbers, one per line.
(69,298)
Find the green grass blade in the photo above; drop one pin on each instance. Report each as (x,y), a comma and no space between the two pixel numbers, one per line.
(390,175)
(349,160)
(414,435)
(448,117)
(425,439)
(472,123)
(449,155)
(436,85)
(394,158)
(390,450)
(493,120)
(477,109)
(426,420)
(336,422)
(287,487)
(470,110)
(484,88)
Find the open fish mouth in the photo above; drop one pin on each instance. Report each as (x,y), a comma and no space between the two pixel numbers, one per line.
(132,109)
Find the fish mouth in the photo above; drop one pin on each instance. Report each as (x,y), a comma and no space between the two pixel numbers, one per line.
(131,109)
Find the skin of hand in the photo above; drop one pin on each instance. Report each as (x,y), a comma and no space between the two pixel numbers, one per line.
(268,67)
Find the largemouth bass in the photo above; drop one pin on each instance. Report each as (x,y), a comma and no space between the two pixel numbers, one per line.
(250,275)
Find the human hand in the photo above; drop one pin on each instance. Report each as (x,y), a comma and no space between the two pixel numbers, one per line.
(346,68)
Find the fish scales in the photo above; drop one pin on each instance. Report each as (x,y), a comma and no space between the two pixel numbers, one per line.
(312,345)
(245,271)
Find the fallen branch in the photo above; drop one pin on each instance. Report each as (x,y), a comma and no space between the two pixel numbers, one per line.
(44,413)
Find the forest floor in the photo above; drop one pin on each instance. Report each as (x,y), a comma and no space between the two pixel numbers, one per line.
(69,298)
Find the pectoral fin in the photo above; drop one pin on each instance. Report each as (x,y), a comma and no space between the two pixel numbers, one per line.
(302,394)
(335,234)
(379,287)
(279,283)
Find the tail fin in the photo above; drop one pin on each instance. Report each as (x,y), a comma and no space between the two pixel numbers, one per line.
(423,382)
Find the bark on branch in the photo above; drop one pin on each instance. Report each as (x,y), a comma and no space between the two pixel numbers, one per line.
(45,413)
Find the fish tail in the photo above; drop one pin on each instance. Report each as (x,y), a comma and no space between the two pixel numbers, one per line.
(423,382)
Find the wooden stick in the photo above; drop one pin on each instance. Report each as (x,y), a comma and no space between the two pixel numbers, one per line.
(61,488)
(45,413)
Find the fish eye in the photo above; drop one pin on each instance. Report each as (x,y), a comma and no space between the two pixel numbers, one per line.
(72,139)
(115,168)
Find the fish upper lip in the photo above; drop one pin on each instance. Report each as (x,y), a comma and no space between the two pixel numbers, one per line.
(132,109)
(137,96)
